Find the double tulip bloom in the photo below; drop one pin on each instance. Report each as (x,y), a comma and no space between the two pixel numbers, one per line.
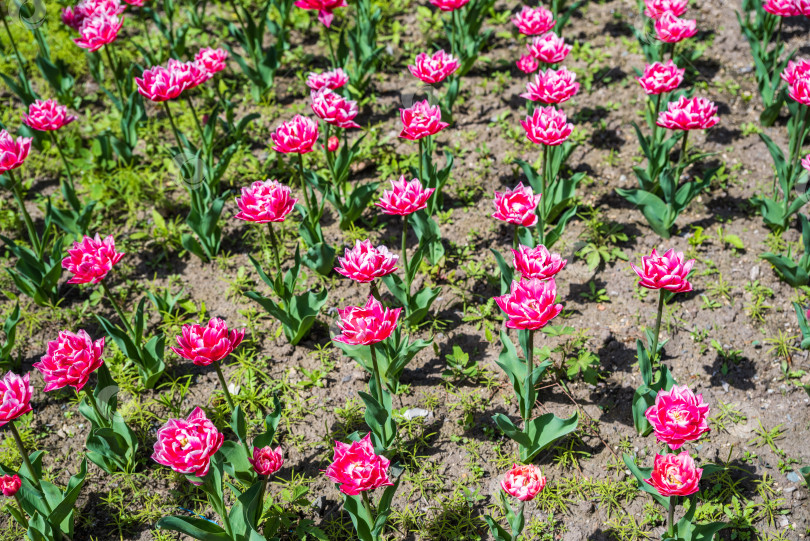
(266,461)
(10,484)
(363,263)
(537,262)
(334,108)
(549,48)
(434,69)
(524,482)
(98,30)
(797,76)
(85,9)
(534,21)
(527,64)
(296,136)
(211,60)
(782,8)
(70,360)
(671,29)
(13,152)
(357,469)
(656,8)
(208,344)
(187,445)
(675,475)
(325,8)
(366,325)
(91,259)
(659,78)
(264,202)
(517,206)
(552,86)
(668,271)
(47,115)
(449,5)
(421,120)
(15,397)
(547,126)
(530,304)
(329,79)
(689,114)
(678,416)
(405,197)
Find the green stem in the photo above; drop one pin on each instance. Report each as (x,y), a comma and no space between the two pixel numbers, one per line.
(331,47)
(114,69)
(20,507)
(681,159)
(671,516)
(405,265)
(260,507)
(118,311)
(529,370)
(541,213)
(654,351)
(375,292)
(421,161)
(224,385)
(92,400)
(239,18)
(27,461)
(377,376)
(367,505)
(311,214)
(174,126)
(521,507)
(515,235)
(197,122)
(68,170)
(274,246)
(146,32)
(29,223)
(656,111)
(13,44)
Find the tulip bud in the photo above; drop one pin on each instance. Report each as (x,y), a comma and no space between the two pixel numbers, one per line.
(333,143)
(266,461)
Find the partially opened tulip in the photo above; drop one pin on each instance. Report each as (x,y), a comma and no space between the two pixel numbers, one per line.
(329,79)
(47,115)
(356,468)
(266,461)
(524,482)
(70,360)
(405,197)
(98,30)
(656,8)
(264,203)
(421,120)
(15,397)
(517,206)
(527,64)
(90,259)
(537,262)
(211,60)
(534,21)
(671,29)
(10,484)
(549,48)
(552,87)
(689,114)
(364,263)
(334,108)
(659,78)
(187,445)
(530,304)
(678,416)
(298,136)
(434,69)
(675,475)
(547,126)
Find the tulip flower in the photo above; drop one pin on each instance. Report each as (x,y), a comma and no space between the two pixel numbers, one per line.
(332,143)
(547,126)
(208,345)
(659,78)
(13,153)
(527,64)
(656,8)
(10,484)
(356,469)
(187,445)
(15,397)
(549,48)
(70,360)
(534,21)
(366,325)
(524,482)
(782,8)
(689,114)
(434,69)
(678,416)
(364,263)
(673,476)
(806,163)
(325,8)
(449,5)
(405,197)
(334,108)
(266,461)
(517,206)
(298,136)
(421,120)
(530,304)
(98,30)
(91,259)
(800,91)
(264,203)
(796,70)
(47,115)
(330,79)
(537,262)
(671,29)
(211,60)
(552,86)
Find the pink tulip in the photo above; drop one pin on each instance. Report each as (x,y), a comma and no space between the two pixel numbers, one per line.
(537,262)
(675,475)
(136,3)
(668,271)
(552,86)
(47,115)
(330,79)
(795,71)
(806,163)
(10,484)
(264,202)
(13,152)
(15,397)
(517,206)
(364,262)
(534,21)
(527,64)
(547,126)
(782,8)
(671,29)
(549,48)
(296,136)
(434,69)
(366,325)
(266,461)
(689,114)
(325,8)
(187,445)
(421,120)
(188,74)
(91,259)
(404,197)
(332,143)
(334,109)
(656,8)
(449,5)
(524,482)
(530,304)
(209,344)
(98,30)
(678,416)
(70,360)
(800,91)
(357,469)
(161,84)
(804,7)
(212,60)
(75,16)
(659,78)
